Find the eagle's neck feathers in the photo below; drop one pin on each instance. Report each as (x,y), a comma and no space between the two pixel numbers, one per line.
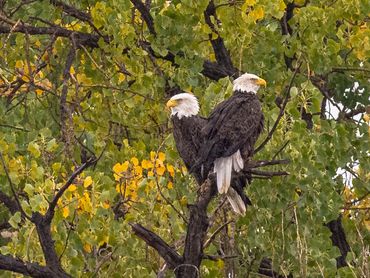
(185,109)
(246,87)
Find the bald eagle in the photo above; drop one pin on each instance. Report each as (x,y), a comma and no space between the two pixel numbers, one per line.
(231,131)
(187,126)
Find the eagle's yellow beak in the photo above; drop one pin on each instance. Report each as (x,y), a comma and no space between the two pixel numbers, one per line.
(261,82)
(171,103)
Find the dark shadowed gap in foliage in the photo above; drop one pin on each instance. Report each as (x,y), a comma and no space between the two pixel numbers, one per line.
(266,270)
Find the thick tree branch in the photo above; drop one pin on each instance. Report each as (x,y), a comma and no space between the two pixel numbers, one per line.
(30,269)
(172,258)
(221,53)
(86,39)
(145,14)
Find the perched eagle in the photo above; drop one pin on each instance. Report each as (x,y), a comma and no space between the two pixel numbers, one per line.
(187,126)
(231,131)
(186,130)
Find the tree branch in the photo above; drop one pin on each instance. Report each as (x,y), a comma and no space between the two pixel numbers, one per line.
(9,203)
(281,112)
(80,37)
(10,263)
(221,53)
(50,212)
(145,14)
(172,258)
(23,213)
(72,11)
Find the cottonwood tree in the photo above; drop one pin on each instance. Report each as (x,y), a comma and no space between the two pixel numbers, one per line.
(90,180)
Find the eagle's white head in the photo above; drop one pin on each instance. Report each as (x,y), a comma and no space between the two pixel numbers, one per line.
(248,83)
(183,105)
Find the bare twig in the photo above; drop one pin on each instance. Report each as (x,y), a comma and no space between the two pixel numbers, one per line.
(218,230)
(50,212)
(172,258)
(23,213)
(282,110)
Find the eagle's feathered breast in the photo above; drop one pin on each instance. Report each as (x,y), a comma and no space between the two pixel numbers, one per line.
(234,125)
(186,132)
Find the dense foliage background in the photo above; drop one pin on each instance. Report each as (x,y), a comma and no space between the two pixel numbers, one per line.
(86,146)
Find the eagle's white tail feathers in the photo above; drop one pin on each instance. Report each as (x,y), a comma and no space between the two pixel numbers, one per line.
(223,167)
(236,201)
(238,163)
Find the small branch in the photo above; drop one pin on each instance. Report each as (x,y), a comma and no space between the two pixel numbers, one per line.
(65,112)
(341,69)
(263,163)
(281,149)
(14,127)
(86,39)
(218,230)
(72,11)
(23,213)
(354,112)
(218,257)
(282,110)
(172,258)
(268,174)
(50,212)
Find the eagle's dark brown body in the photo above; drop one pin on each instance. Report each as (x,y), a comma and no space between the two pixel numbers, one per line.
(234,124)
(186,132)
(188,139)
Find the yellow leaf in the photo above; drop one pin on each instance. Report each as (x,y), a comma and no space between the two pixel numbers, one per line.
(106,205)
(119,168)
(39,92)
(282,5)
(250,2)
(183,201)
(150,174)
(366,118)
(88,181)
(38,43)
(72,70)
(135,161)
(25,78)
(138,171)
(146,164)
(72,188)
(184,170)
(257,13)
(170,185)
(161,156)
(152,155)
(171,170)
(121,78)
(65,212)
(119,188)
(19,64)
(160,170)
(87,248)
